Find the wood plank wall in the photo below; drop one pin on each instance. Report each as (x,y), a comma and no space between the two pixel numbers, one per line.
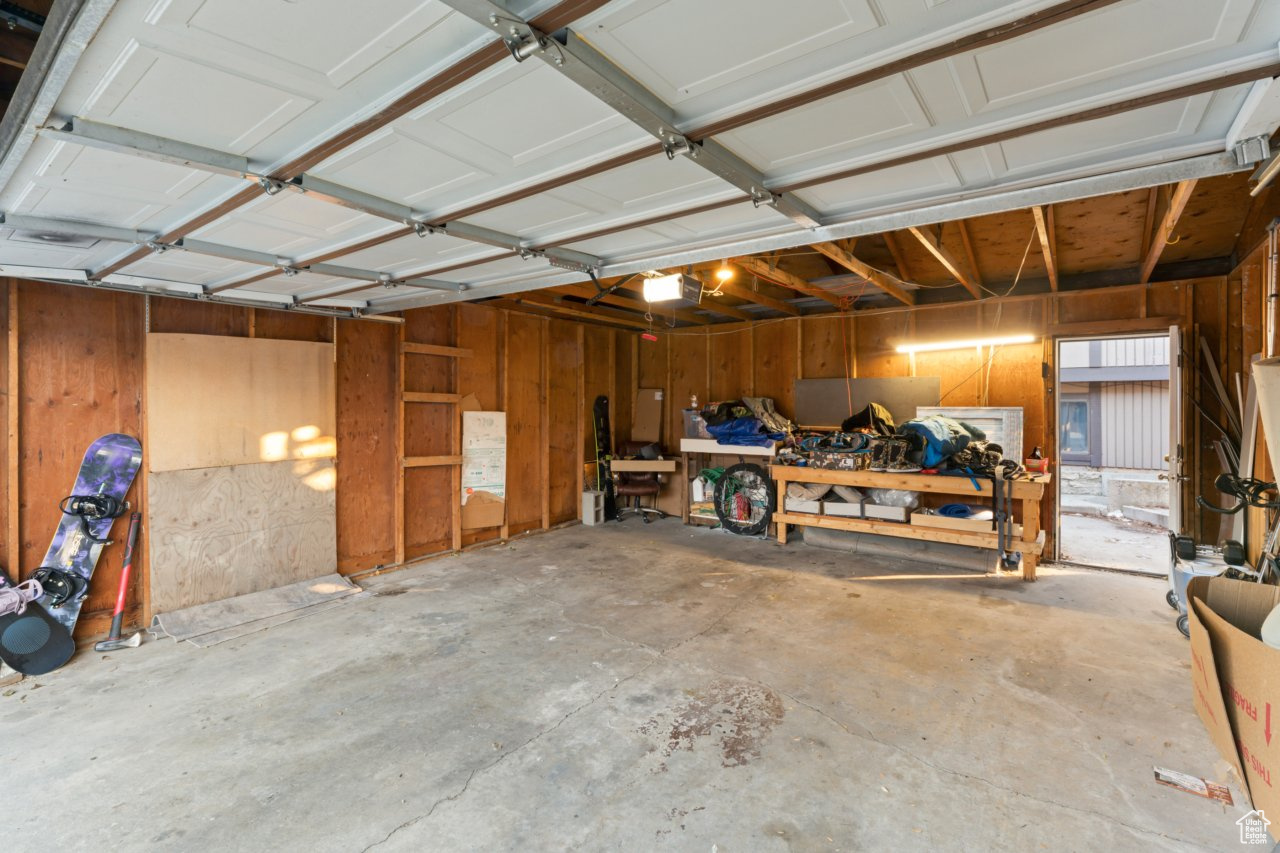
(80,371)
(766,358)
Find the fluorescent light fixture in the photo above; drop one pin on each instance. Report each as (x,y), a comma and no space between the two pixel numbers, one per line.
(969,344)
(663,288)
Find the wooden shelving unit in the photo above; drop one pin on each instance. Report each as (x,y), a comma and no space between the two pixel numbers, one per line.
(453,460)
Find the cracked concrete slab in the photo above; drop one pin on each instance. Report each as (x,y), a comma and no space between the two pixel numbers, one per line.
(637,687)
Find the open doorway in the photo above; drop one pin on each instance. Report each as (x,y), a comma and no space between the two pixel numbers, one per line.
(1113,396)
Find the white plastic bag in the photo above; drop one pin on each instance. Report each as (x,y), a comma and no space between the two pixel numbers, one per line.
(894,497)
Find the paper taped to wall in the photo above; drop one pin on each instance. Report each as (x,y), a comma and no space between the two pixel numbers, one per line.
(484,469)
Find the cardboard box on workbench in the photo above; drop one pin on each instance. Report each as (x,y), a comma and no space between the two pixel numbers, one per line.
(1236,681)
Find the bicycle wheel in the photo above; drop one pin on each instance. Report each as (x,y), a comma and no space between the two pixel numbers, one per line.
(744,499)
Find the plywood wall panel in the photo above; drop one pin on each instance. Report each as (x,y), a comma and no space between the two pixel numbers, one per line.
(625,368)
(480,330)
(365,390)
(599,377)
(876,337)
(826,347)
(730,369)
(962,372)
(775,362)
(5,544)
(1093,305)
(688,370)
(221,532)
(428,516)
(564,466)
(183,316)
(430,325)
(652,357)
(524,400)
(81,376)
(1166,299)
(258,400)
(291,326)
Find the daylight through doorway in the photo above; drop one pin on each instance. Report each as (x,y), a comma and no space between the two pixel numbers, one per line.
(1113,442)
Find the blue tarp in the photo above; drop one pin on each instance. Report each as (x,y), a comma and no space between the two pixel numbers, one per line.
(743,432)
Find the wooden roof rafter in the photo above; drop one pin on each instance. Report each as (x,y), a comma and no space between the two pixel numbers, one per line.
(777,275)
(1177,203)
(889,284)
(933,244)
(1048,242)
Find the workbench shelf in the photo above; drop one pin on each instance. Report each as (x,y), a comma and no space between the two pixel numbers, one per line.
(1028,492)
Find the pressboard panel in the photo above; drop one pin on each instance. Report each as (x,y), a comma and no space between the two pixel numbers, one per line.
(219,532)
(827,402)
(214,400)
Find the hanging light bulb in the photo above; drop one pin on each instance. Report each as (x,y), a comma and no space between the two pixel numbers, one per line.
(725,273)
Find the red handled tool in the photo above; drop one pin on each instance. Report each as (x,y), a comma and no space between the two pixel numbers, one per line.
(113,641)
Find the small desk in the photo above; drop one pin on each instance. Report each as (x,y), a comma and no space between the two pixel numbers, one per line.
(1028,491)
(641,466)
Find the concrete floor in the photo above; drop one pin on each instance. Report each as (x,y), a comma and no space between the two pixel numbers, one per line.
(1114,543)
(636,687)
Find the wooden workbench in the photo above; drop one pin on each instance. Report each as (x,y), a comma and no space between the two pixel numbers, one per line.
(1029,492)
(698,453)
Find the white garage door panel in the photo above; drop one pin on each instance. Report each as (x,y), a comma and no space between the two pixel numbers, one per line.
(395,166)
(509,126)
(506,269)
(885,187)
(1146,129)
(23,250)
(717,58)
(664,43)
(414,253)
(740,219)
(1126,37)
(650,183)
(624,243)
(179,97)
(339,54)
(835,126)
(347,64)
(294,225)
(193,268)
(541,217)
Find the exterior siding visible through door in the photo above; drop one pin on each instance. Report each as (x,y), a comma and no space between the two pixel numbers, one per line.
(1135,424)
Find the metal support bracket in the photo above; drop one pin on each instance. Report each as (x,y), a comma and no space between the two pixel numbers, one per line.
(1252,150)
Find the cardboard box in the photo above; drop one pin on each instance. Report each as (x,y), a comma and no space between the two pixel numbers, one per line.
(794,505)
(968,525)
(885,513)
(646,417)
(844,510)
(1236,681)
